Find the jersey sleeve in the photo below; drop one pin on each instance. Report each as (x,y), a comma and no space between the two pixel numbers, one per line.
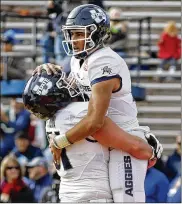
(103,69)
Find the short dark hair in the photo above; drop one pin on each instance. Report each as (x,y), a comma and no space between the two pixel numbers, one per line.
(22,135)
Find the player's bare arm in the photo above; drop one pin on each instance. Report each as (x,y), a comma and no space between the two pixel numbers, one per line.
(95,120)
(51,69)
(97,109)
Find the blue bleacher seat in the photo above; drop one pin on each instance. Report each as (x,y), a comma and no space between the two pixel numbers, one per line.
(138,93)
(12,87)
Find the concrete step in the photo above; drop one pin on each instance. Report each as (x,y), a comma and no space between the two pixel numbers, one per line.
(150,9)
(166,133)
(148,61)
(153,73)
(159,103)
(166,136)
(174,80)
(170,89)
(168,140)
(159,126)
(170,92)
(42,25)
(153,14)
(164,109)
(160,98)
(160,121)
(143,4)
(159,112)
(24,3)
(164,127)
(28,47)
(169,146)
(29,36)
(159,115)
(159,86)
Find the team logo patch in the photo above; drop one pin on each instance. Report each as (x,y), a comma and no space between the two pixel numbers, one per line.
(98,16)
(106,69)
(43,86)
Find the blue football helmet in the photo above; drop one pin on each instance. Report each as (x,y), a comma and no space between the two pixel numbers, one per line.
(91,20)
(45,94)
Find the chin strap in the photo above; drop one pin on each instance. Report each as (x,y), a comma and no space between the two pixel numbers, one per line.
(86,54)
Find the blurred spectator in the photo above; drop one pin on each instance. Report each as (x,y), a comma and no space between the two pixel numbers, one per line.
(160,165)
(119,31)
(49,158)
(58,16)
(17,118)
(16,66)
(47,43)
(6,144)
(40,139)
(173,164)
(24,151)
(169,48)
(13,188)
(39,174)
(54,10)
(51,194)
(174,194)
(156,186)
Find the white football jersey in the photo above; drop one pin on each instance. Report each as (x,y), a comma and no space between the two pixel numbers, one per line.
(84,165)
(105,64)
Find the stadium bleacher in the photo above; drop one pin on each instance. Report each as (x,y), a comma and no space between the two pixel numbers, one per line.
(162,109)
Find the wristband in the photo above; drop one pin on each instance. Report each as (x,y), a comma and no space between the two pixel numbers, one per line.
(61,141)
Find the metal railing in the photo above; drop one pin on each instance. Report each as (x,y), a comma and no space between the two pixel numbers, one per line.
(140,43)
(32,53)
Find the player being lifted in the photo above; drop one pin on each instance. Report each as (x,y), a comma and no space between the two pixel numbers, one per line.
(105,78)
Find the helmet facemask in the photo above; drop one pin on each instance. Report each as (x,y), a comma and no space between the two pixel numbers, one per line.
(68,43)
(70,84)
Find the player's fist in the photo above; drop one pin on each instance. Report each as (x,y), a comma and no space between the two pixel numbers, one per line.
(49,68)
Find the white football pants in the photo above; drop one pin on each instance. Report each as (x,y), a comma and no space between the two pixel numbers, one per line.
(127,174)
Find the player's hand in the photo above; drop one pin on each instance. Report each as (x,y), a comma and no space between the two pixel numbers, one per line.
(50,69)
(156,145)
(151,163)
(55,152)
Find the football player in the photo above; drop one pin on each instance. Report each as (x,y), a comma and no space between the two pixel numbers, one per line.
(104,76)
(84,165)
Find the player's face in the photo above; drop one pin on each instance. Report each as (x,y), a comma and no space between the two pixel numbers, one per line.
(78,37)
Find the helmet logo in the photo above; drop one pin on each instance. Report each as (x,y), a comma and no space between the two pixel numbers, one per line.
(43,87)
(98,17)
